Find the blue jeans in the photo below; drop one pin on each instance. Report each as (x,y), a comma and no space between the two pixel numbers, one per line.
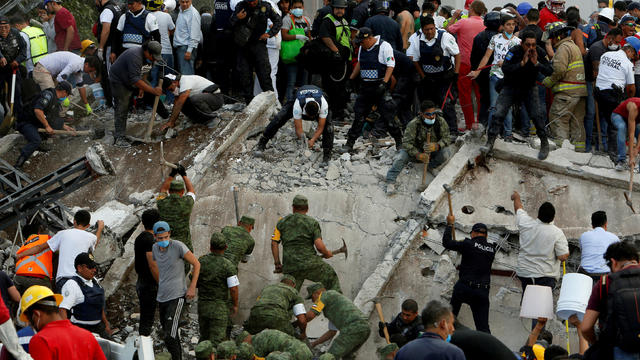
(620,354)
(185,67)
(155,73)
(30,132)
(620,124)
(493,98)
(292,76)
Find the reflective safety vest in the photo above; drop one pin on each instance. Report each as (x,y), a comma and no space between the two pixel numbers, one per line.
(343,32)
(432,57)
(38,265)
(37,43)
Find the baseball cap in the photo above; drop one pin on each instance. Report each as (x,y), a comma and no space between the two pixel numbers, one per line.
(85,259)
(161,225)
(218,241)
(633,42)
(204,349)
(155,49)
(247,220)
(176,185)
(479,227)
(523,8)
(313,288)
(628,18)
(364,33)
(300,200)
(4,20)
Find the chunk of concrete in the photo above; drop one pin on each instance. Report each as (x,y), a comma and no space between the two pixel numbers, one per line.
(575,157)
(333,172)
(445,270)
(599,161)
(9,142)
(434,241)
(141,198)
(117,216)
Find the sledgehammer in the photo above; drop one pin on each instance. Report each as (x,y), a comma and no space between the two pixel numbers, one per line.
(449,190)
(376,301)
(343,249)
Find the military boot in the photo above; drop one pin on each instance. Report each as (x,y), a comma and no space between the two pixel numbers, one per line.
(398,141)
(488,147)
(21,160)
(544,148)
(262,145)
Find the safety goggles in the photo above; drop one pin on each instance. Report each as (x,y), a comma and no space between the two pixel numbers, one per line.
(429,114)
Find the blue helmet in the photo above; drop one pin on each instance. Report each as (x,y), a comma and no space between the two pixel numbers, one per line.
(633,41)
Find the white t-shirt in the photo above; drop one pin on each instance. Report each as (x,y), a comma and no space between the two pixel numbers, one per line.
(615,68)
(106,16)
(448,43)
(64,63)
(385,55)
(298,109)
(195,83)
(540,245)
(151,24)
(72,295)
(69,243)
(165,24)
(500,47)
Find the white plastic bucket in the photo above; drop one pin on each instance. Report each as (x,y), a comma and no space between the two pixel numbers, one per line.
(574,295)
(537,302)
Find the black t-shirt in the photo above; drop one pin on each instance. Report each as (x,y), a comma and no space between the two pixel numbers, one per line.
(5,284)
(480,345)
(536,30)
(477,257)
(595,52)
(143,244)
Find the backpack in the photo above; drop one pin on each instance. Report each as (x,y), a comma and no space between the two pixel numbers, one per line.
(622,325)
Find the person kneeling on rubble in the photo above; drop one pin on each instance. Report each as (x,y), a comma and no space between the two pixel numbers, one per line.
(84,299)
(42,112)
(430,123)
(197,98)
(308,104)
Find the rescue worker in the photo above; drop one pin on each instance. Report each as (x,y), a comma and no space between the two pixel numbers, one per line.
(227,350)
(436,57)
(375,66)
(335,34)
(360,14)
(310,103)
(205,350)
(249,21)
(415,145)
(13,51)
(403,93)
(474,278)
(218,283)
(568,85)
(196,97)
(319,16)
(84,299)
(135,27)
(35,39)
(549,13)
(382,25)
(274,306)
(269,340)
(300,236)
(402,12)
(387,352)
(240,243)
(406,326)
(522,65)
(35,269)
(625,118)
(42,112)
(107,29)
(343,316)
(225,52)
(175,206)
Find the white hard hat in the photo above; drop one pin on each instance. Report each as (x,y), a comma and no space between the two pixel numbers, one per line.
(607,13)
(170,5)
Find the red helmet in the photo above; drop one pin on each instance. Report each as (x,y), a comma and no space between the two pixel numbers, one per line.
(555,6)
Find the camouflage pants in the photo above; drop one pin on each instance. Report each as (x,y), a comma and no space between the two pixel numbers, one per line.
(349,340)
(320,272)
(262,318)
(213,316)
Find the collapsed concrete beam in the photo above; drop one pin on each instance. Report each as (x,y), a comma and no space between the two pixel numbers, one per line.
(122,265)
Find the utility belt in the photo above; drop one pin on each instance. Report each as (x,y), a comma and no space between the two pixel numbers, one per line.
(475,285)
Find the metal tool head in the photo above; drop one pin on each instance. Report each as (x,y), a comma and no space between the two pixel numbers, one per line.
(343,250)
(627,198)
(377,299)
(447,188)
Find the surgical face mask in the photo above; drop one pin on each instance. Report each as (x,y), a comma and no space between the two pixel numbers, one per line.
(163,243)
(297,12)
(429,118)
(614,47)
(507,35)
(449,338)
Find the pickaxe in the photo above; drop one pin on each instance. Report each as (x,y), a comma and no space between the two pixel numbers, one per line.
(376,301)
(627,194)
(164,162)
(449,190)
(343,249)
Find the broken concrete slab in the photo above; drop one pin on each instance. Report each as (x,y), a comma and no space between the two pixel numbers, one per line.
(600,161)
(9,142)
(142,198)
(122,265)
(574,157)
(117,216)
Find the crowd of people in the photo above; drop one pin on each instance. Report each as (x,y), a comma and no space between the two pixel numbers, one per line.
(532,69)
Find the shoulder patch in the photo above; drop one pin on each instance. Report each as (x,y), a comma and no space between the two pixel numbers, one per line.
(318,306)
(509,56)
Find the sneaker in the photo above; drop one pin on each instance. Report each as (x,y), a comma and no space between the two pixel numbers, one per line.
(122,142)
(508,138)
(390,189)
(622,166)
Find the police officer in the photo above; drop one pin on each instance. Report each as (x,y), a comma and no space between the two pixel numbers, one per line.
(406,326)
(381,24)
(436,57)
(13,51)
(240,243)
(335,34)
(249,21)
(359,15)
(135,27)
(84,299)
(308,104)
(375,66)
(42,112)
(217,284)
(403,93)
(343,316)
(300,236)
(475,272)
(175,206)
(225,51)
(274,307)
(35,39)
(269,340)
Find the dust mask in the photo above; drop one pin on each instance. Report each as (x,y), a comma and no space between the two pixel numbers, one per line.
(614,47)
(297,12)
(163,244)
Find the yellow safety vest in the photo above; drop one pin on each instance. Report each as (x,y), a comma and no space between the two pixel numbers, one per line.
(343,32)
(37,43)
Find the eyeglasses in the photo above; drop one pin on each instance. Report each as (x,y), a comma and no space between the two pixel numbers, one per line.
(630,24)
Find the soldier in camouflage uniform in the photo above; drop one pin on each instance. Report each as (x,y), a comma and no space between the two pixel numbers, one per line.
(274,307)
(205,350)
(218,282)
(300,236)
(245,352)
(240,243)
(227,350)
(430,120)
(343,316)
(387,352)
(269,340)
(174,208)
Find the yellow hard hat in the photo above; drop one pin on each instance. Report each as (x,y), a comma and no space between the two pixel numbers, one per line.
(86,44)
(538,351)
(34,294)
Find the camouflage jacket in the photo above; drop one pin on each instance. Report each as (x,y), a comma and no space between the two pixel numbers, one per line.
(176,211)
(214,272)
(297,232)
(239,243)
(269,340)
(279,296)
(338,309)
(415,136)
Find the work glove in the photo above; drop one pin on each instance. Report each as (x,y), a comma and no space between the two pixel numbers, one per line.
(100,54)
(381,326)
(181,170)
(382,88)
(302,37)
(432,147)
(173,172)
(66,102)
(422,157)
(88,108)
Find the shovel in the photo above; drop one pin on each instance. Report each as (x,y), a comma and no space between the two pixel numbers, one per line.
(9,118)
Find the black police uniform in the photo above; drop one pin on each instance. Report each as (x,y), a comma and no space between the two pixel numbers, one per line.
(387,28)
(401,332)
(403,93)
(474,278)
(317,20)
(335,86)
(225,50)
(371,93)
(13,47)
(28,124)
(359,15)
(252,55)
(478,49)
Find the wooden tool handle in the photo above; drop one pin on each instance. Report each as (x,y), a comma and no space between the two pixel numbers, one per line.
(384,329)
(67,132)
(426,163)
(153,112)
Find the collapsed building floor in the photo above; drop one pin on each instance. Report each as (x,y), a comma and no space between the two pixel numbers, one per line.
(389,253)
